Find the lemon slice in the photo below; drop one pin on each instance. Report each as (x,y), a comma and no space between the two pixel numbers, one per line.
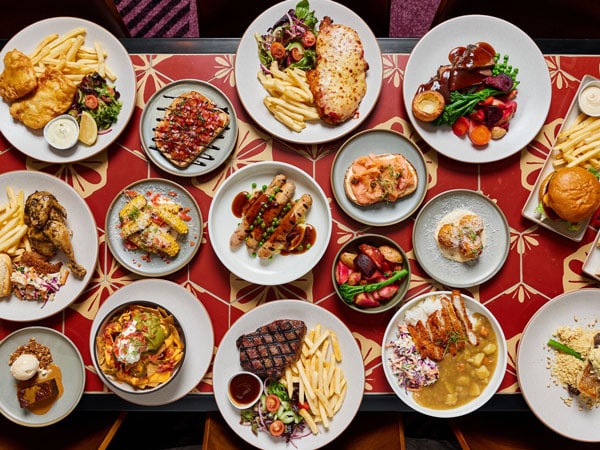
(88,129)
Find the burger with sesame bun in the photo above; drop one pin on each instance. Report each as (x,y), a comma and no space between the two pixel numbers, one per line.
(570,193)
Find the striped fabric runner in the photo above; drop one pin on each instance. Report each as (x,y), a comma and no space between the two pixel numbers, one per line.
(160,18)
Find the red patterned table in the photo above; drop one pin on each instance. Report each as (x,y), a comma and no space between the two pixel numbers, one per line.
(540,264)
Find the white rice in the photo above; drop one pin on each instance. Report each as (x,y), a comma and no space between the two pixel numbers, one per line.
(426,307)
(422,310)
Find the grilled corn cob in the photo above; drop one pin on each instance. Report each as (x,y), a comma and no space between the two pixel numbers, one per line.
(154,239)
(134,216)
(171,219)
(133,207)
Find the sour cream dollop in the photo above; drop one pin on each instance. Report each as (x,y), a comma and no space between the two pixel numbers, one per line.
(589,99)
(129,344)
(62,132)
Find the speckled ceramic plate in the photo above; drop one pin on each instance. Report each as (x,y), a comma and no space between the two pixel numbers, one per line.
(545,398)
(227,361)
(138,261)
(535,88)
(449,272)
(252,93)
(213,156)
(194,320)
(222,223)
(31,142)
(64,354)
(391,334)
(378,142)
(80,221)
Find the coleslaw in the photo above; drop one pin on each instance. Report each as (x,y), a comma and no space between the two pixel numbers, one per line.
(413,371)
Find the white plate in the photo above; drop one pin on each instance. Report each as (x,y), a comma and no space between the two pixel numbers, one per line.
(154,111)
(529,209)
(544,397)
(194,320)
(156,265)
(85,243)
(453,273)
(64,354)
(251,92)
(227,361)
(222,223)
(533,99)
(407,396)
(31,142)
(378,142)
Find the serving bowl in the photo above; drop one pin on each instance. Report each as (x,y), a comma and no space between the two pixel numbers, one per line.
(120,329)
(475,399)
(346,265)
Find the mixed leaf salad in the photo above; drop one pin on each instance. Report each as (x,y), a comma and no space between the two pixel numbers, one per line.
(291,40)
(95,96)
(276,413)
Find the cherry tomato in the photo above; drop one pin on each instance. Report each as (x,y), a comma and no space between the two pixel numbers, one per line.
(272,402)
(91,101)
(309,39)
(277,50)
(276,428)
(297,53)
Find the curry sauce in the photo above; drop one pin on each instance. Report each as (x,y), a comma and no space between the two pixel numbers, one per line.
(464,376)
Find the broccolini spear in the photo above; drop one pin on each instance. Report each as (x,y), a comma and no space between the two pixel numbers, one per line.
(565,348)
(348,292)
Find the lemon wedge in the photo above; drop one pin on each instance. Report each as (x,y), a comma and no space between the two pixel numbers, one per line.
(88,129)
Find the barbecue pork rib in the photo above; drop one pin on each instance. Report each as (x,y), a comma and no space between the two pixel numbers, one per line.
(272,347)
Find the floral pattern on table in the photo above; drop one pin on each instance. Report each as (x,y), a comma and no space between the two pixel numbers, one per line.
(513,295)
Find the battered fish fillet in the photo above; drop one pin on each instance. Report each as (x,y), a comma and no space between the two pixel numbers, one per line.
(338,82)
(52,97)
(18,77)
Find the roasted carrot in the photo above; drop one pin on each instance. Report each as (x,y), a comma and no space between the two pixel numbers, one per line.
(480,134)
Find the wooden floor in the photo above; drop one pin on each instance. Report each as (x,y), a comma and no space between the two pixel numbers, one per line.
(369,430)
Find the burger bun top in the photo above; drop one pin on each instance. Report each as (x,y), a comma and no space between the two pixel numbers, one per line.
(571,194)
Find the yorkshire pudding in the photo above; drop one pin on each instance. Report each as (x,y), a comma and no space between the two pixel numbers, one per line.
(428,105)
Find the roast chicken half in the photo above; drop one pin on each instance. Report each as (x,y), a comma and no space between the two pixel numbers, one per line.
(338,82)
(48,232)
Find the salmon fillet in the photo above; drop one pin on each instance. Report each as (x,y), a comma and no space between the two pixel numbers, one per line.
(338,82)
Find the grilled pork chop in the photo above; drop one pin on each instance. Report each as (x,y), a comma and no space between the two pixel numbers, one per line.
(272,347)
(338,82)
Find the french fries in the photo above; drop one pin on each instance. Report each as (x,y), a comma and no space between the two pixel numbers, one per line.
(12,224)
(579,144)
(321,380)
(68,54)
(290,99)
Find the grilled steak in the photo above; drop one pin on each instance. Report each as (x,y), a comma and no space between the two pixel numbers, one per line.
(272,347)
